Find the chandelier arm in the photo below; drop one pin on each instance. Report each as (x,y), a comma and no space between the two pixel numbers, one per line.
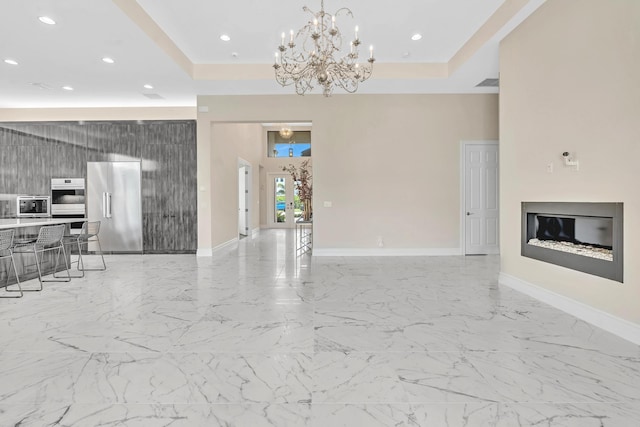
(344,9)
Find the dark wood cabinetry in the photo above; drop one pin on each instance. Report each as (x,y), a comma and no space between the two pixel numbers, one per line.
(35,152)
(169,212)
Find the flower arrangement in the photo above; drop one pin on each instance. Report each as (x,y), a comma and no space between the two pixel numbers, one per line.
(302,179)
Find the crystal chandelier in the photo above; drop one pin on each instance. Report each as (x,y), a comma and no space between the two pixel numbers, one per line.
(314,56)
(286,133)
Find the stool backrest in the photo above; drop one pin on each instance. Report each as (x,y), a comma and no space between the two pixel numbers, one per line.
(6,239)
(50,234)
(90,228)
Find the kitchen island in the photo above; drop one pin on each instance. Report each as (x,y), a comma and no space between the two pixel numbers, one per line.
(16,223)
(28,228)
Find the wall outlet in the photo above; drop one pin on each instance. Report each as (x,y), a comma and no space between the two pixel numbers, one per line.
(549,167)
(380,242)
(327,204)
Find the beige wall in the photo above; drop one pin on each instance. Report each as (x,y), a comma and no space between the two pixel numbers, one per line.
(569,82)
(233,141)
(388,163)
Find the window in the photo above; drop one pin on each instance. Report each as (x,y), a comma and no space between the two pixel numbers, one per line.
(299,145)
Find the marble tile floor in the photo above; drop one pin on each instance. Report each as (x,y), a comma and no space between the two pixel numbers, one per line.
(257,337)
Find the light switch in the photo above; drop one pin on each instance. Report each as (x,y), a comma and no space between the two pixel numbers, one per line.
(549,167)
(328,204)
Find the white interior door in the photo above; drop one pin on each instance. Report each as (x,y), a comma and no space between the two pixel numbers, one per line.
(481,208)
(281,211)
(242,201)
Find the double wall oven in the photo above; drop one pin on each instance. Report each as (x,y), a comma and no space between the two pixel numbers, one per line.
(68,200)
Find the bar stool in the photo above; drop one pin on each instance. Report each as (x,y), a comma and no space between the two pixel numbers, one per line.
(6,251)
(88,234)
(49,239)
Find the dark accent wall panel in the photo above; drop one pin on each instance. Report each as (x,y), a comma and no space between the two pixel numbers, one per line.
(8,172)
(114,141)
(34,152)
(68,150)
(169,188)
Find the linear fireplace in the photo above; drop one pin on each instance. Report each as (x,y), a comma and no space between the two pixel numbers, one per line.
(587,237)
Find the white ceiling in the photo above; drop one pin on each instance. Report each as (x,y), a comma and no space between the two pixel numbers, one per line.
(255,36)
(70,52)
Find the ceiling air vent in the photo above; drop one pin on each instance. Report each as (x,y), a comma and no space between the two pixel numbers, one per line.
(489,83)
(41,85)
(152,96)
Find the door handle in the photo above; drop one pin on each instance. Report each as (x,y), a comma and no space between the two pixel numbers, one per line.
(108,205)
(469,213)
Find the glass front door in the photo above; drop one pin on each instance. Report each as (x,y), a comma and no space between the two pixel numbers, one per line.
(282,209)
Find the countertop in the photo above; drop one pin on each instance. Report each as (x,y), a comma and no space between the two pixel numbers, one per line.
(6,223)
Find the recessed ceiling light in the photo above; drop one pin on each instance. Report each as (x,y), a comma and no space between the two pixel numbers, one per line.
(46,20)
(108,60)
(416,37)
(225,38)
(67,88)
(148,87)
(11,62)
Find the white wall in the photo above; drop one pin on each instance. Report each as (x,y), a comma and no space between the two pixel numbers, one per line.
(569,82)
(388,163)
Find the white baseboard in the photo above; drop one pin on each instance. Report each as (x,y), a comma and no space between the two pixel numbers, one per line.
(210,251)
(226,245)
(204,252)
(603,320)
(386,251)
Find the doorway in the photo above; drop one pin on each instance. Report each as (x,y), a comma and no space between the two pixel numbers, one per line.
(244,186)
(480,204)
(281,197)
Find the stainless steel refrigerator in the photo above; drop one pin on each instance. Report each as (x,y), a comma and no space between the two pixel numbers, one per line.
(114,199)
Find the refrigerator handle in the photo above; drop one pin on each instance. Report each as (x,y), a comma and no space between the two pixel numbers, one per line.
(104,204)
(108,205)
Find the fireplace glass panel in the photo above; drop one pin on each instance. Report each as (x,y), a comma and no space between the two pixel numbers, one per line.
(587,237)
